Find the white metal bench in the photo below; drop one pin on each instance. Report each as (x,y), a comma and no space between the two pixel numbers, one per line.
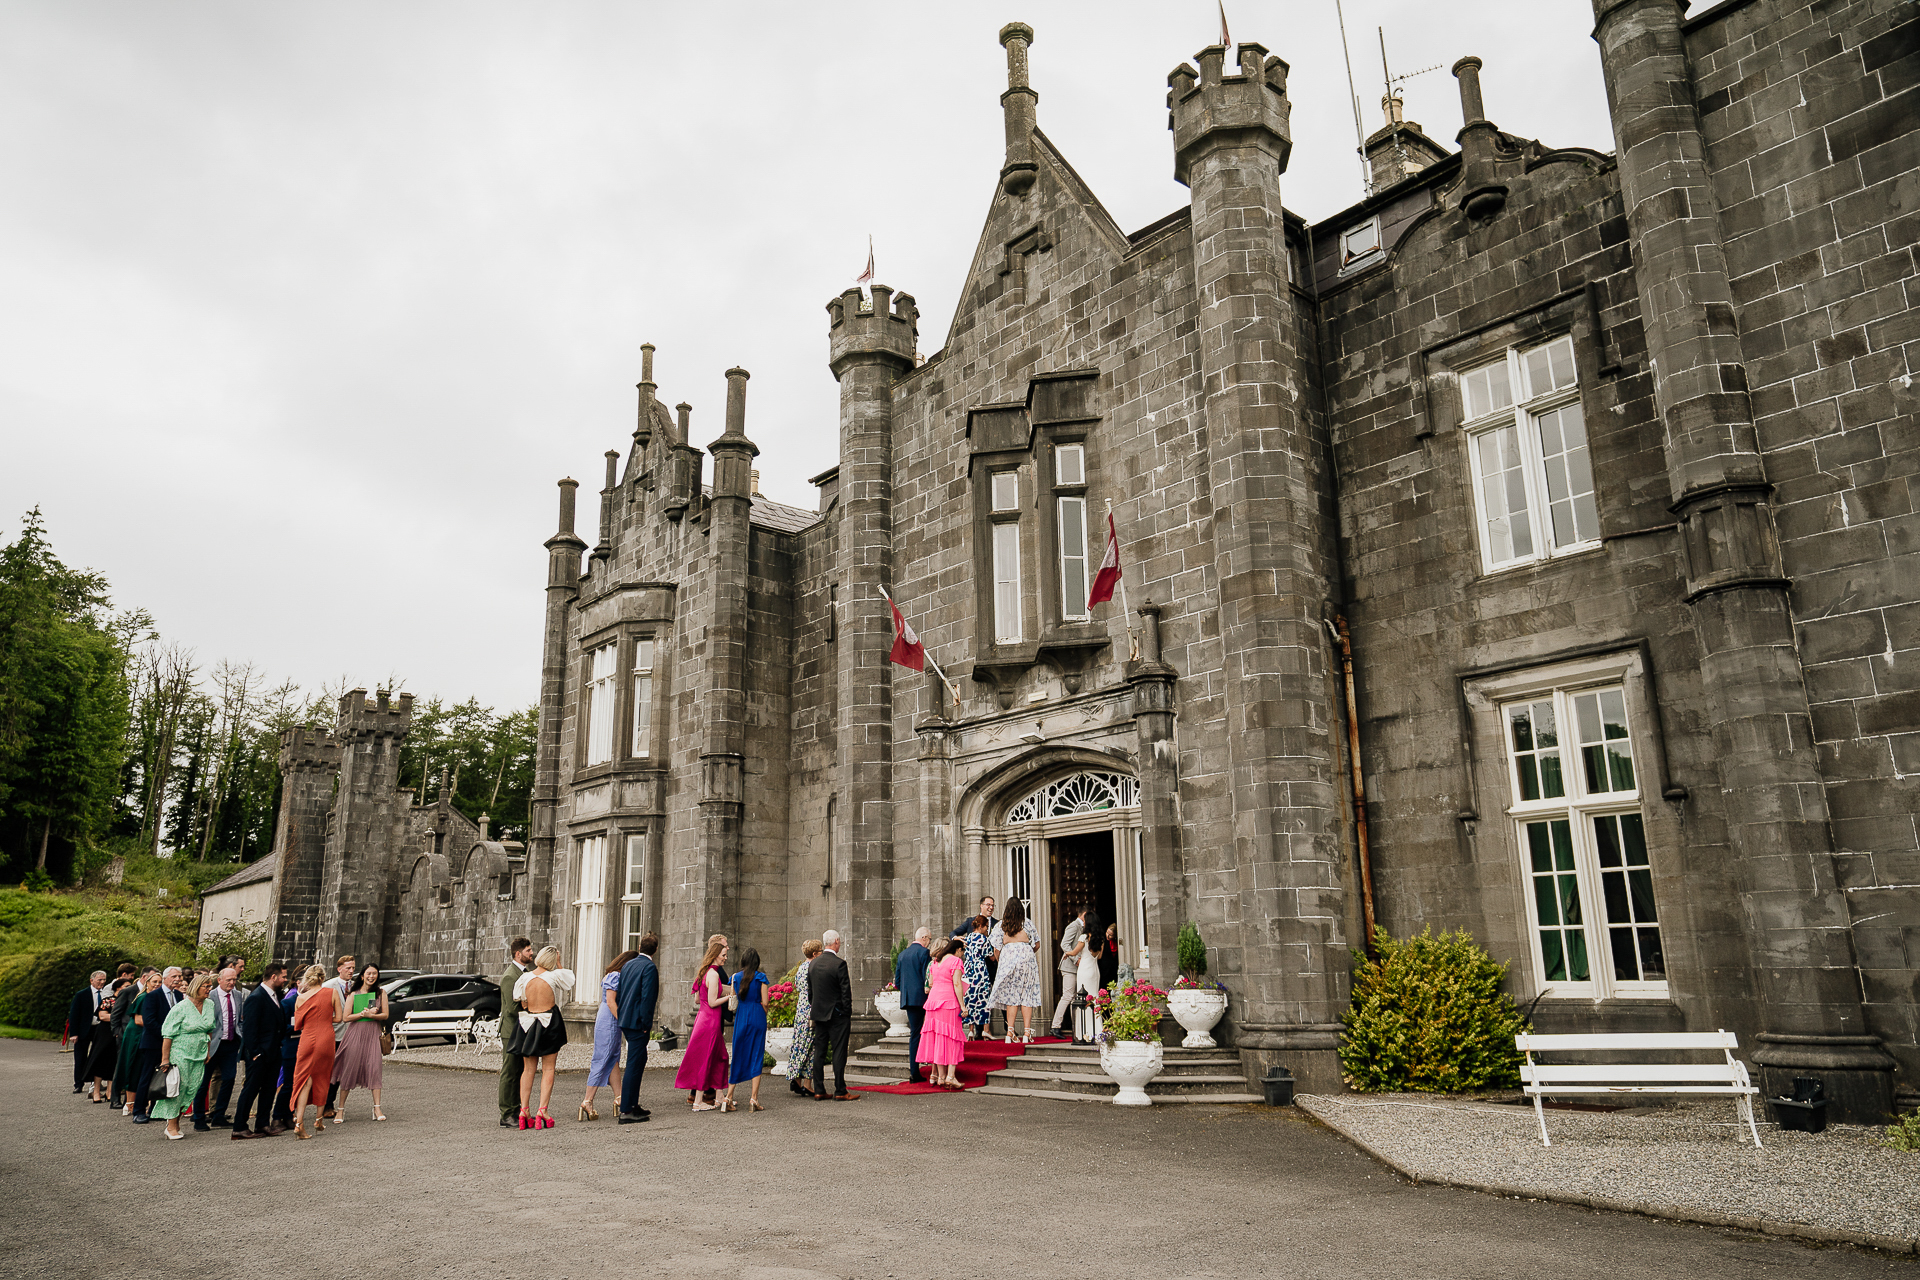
(457,1023)
(486,1033)
(1540,1079)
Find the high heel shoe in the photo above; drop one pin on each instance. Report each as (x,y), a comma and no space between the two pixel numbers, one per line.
(298,1132)
(544,1120)
(527,1121)
(754,1106)
(728,1104)
(587,1113)
(379,1114)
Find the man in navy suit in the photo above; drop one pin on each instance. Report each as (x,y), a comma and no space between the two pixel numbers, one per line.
(263,1025)
(910,975)
(83,1013)
(638,993)
(151,1015)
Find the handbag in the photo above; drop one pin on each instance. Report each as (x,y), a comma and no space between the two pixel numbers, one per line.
(165,1082)
(386,1043)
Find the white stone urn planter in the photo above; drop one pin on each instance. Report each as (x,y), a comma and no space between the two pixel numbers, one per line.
(887,1005)
(780,1045)
(1197,1009)
(1131,1064)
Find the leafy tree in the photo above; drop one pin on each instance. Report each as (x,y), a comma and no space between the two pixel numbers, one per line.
(63,702)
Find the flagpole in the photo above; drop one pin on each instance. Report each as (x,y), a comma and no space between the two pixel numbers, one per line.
(1133,641)
(926,653)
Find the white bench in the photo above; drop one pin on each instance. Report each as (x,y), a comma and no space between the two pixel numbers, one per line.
(486,1033)
(457,1023)
(1729,1078)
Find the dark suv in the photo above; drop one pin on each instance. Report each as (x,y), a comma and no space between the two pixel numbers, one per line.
(436,991)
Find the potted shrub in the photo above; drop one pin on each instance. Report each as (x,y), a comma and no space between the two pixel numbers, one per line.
(783,998)
(1196,1002)
(1130,1049)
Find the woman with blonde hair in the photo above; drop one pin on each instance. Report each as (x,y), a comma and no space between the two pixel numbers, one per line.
(540,1032)
(703,1069)
(185,1040)
(801,1055)
(315,1010)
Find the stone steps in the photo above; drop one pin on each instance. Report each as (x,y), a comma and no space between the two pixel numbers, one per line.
(1072,1073)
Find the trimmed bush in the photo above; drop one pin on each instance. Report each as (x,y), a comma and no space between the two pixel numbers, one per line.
(36,988)
(1428,1016)
(1192,951)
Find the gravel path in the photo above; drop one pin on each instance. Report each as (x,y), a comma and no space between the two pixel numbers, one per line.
(573,1057)
(1690,1161)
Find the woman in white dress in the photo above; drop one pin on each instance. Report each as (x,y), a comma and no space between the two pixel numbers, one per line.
(1086,1024)
(1016,988)
(540,1031)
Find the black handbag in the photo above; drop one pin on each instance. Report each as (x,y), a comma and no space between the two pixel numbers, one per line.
(165,1083)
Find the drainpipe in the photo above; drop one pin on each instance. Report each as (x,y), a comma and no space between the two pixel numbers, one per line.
(1338,629)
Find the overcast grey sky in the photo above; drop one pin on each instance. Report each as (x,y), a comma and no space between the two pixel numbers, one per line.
(306,306)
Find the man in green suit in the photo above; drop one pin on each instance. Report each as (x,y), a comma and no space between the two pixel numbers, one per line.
(521,951)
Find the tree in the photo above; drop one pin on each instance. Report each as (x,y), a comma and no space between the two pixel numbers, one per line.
(63,699)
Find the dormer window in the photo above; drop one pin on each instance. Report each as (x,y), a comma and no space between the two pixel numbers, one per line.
(1359,244)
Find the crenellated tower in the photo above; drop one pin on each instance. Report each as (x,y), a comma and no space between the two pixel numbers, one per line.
(564,550)
(309,759)
(358,888)
(1272,560)
(870,347)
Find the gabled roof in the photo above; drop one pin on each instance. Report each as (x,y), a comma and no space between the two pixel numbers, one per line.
(252,873)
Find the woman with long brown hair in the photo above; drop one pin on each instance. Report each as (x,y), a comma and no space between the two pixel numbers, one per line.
(605,1067)
(703,1069)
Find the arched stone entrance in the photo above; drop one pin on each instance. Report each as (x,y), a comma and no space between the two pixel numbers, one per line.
(1061,838)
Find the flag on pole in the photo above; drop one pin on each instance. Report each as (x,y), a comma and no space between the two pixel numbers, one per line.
(1109,576)
(907,649)
(1226,41)
(866,277)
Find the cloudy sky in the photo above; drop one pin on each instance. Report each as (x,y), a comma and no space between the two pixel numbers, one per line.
(306,306)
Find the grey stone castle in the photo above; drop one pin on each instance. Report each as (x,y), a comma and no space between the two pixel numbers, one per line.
(1596,473)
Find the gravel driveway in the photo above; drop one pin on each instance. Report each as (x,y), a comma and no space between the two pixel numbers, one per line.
(1694,1158)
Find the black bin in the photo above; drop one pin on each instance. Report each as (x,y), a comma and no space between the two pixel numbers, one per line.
(1806,1110)
(1279,1086)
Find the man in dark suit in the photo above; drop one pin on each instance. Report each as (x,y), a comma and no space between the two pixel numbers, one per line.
(151,1015)
(830,990)
(223,1053)
(83,1013)
(910,975)
(638,993)
(289,1055)
(520,959)
(263,1025)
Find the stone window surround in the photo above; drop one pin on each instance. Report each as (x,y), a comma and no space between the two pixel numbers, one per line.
(613,899)
(627,632)
(1497,847)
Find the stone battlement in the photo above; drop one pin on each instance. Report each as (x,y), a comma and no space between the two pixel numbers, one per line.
(303,748)
(1207,102)
(361,718)
(889,326)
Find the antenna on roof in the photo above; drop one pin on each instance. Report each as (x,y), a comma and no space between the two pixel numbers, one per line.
(1360,134)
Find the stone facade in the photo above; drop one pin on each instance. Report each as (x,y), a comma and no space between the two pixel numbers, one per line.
(1600,466)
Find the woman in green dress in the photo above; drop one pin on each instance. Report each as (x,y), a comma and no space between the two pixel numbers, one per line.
(185,1038)
(129,1064)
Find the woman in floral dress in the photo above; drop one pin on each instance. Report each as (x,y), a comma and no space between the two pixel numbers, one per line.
(976,1011)
(800,1058)
(1017,986)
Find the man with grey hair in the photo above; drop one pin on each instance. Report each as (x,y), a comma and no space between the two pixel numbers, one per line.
(910,975)
(83,1014)
(830,989)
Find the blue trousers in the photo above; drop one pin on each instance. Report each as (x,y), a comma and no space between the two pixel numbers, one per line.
(916,1018)
(635,1068)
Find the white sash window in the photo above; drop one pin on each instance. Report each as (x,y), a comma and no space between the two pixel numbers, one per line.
(589,905)
(602,664)
(643,698)
(1527,446)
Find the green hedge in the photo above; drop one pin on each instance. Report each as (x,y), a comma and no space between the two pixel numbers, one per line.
(36,988)
(1428,1015)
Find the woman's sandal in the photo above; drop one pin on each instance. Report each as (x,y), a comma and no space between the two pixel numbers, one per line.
(378,1114)
(544,1120)
(298,1132)
(587,1113)
(754,1106)
(705,1106)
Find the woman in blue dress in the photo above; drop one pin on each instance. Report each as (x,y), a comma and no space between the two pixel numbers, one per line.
(749,1031)
(605,1067)
(975,1011)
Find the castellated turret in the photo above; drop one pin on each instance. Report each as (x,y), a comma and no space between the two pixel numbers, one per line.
(889,327)
(366,833)
(1206,104)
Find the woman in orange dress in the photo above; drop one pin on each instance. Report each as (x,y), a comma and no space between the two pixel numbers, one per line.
(315,1010)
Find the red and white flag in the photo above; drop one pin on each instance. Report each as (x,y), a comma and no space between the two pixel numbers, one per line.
(907,649)
(1109,576)
(1226,41)
(866,277)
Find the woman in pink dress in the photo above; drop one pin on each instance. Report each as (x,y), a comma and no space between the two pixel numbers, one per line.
(942,1039)
(703,1069)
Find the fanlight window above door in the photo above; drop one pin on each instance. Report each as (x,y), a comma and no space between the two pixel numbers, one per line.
(1078,793)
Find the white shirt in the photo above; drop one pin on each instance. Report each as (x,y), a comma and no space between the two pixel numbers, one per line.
(340,985)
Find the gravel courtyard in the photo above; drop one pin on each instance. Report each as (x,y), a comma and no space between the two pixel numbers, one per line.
(1691,1157)
(891,1186)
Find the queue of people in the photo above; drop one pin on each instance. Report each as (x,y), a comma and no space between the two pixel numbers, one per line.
(170,1045)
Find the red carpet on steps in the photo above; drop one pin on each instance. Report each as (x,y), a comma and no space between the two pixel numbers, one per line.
(982,1057)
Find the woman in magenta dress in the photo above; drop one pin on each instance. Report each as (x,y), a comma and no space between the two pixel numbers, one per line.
(942,1039)
(703,1069)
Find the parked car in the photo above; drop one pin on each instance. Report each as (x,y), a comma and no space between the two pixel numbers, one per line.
(444,991)
(391,978)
